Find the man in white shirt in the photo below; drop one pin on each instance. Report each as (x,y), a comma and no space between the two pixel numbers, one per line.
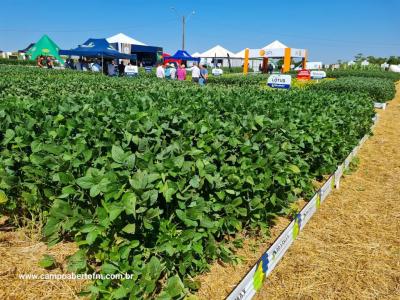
(160,72)
(95,67)
(195,73)
(131,70)
(173,71)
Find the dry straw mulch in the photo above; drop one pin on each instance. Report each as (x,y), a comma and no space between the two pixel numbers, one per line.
(351,248)
(20,252)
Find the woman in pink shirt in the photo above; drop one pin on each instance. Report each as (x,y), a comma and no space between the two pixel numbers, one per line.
(181,72)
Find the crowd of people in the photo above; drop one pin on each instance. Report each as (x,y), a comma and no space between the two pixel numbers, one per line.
(199,72)
(169,71)
(83,64)
(109,67)
(129,70)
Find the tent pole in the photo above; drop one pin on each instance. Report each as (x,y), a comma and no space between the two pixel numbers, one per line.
(102,64)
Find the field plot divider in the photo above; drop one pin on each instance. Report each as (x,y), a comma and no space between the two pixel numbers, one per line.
(380,105)
(253,280)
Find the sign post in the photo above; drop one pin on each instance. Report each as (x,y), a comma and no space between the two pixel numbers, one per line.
(304,75)
(318,75)
(279,81)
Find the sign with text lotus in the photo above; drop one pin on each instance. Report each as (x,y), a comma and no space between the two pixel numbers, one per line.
(279,81)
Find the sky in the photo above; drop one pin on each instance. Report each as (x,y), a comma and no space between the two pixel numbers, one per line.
(329,30)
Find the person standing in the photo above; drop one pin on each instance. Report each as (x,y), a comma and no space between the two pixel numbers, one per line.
(181,72)
(203,75)
(121,68)
(160,73)
(69,64)
(85,65)
(78,65)
(167,72)
(195,73)
(95,66)
(111,68)
(173,71)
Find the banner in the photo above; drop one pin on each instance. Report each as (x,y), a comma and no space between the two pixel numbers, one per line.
(348,160)
(338,175)
(355,151)
(245,290)
(298,52)
(327,188)
(379,105)
(308,211)
(280,52)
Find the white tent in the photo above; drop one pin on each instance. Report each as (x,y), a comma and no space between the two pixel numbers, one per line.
(217,51)
(394,68)
(275,45)
(254,56)
(274,49)
(220,53)
(277,49)
(124,42)
(121,38)
(196,54)
(253,53)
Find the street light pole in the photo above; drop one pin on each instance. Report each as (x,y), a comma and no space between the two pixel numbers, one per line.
(184,19)
(183,32)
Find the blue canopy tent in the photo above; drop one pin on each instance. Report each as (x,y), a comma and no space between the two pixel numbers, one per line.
(97,48)
(183,55)
(147,55)
(27,48)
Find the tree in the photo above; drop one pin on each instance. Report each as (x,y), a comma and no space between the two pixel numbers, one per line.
(376,60)
(393,60)
(359,57)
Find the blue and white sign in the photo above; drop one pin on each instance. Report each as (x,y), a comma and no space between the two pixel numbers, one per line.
(280,81)
(217,72)
(318,74)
